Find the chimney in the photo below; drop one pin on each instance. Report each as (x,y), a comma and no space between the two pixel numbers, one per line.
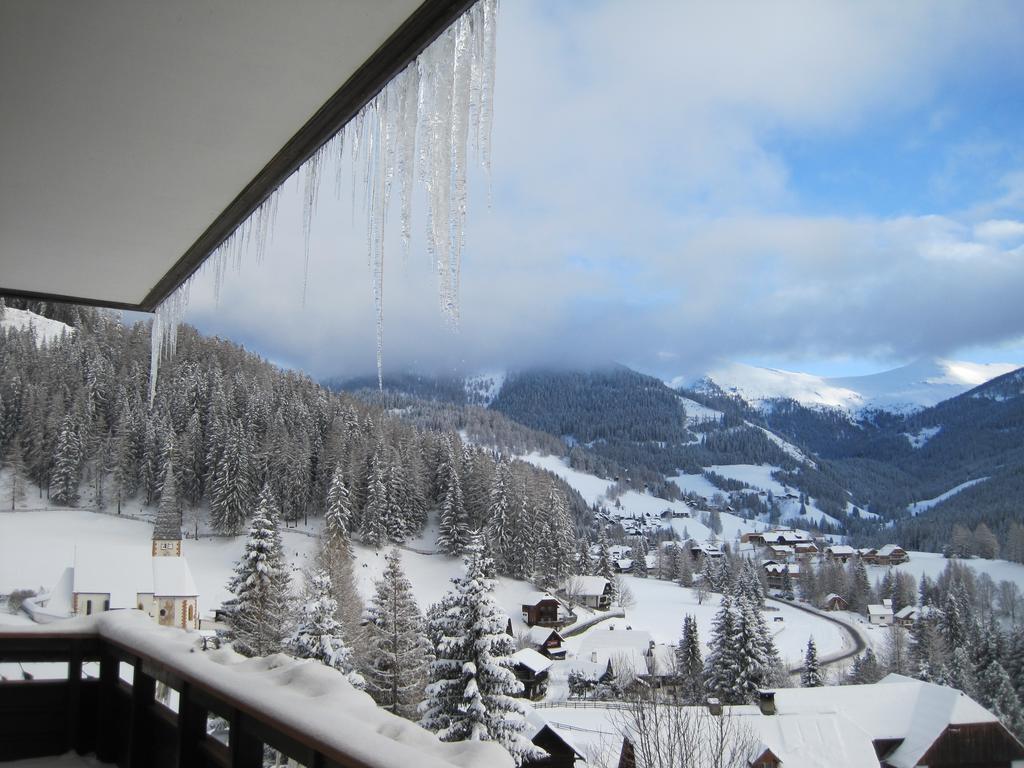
(766,700)
(714,706)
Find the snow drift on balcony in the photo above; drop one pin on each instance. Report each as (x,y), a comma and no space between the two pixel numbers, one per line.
(302,695)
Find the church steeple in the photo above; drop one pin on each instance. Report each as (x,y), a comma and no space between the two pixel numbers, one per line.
(167,531)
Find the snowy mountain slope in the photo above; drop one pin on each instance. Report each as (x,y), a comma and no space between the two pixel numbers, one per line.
(923,506)
(910,388)
(47,330)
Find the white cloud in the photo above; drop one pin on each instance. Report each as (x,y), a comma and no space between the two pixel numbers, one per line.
(641,212)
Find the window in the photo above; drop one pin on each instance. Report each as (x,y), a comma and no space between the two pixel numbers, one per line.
(163,612)
(190,613)
(106,605)
(88,607)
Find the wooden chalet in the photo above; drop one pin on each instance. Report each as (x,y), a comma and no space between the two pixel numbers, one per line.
(775,573)
(906,616)
(531,669)
(890,554)
(547,642)
(590,591)
(840,552)
(545,610)
(836,602)
(561,753)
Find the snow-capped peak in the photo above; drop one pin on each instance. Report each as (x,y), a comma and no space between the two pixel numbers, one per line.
(920,384)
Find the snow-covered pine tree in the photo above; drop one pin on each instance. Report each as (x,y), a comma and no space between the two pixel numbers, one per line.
(723,666)
(865,669)
(584,565)
(375,522)
(259,616)
(397,651)
(603,567)
(689,664)
(453,533)
(232,483)
(16,464)
(338,516)
(470,696)
(67,464)
(810,675)
(318,633)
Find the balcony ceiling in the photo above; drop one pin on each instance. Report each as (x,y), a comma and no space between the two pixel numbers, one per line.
(137,134)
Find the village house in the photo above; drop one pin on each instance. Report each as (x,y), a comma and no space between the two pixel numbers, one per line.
(531,669)
(589,591)
(898,722)
(545,610)
(890,554)
(834,602)
(775,573)
(840,552)
(906,616)
(561,752)
(547,642)
(880,615)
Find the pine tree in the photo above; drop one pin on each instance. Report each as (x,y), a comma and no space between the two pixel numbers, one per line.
(500,528)
(810,675)
(470,696)
(67,464)
(338,517)
(998,696)
(603,568)
(232,489)
(689,664)
(453,533)
(865,669)
(259,614)
(375,523)
(318,633)
(16,465)
(398,653)
(723,667)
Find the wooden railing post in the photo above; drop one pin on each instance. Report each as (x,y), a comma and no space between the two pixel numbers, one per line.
(108,727)
(75,730)
(246,749)
(140,741)
(191,728)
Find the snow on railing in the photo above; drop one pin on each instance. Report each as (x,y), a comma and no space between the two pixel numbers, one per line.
(300,697)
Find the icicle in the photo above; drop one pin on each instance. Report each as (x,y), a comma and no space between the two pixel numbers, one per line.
(419,127)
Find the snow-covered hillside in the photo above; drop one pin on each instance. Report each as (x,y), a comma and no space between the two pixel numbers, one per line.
(912,387)
(923,506)
(46,329)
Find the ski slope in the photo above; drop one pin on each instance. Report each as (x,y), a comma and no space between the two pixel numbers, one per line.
(923,506)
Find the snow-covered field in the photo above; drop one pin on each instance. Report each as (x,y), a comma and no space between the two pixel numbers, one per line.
(932,564)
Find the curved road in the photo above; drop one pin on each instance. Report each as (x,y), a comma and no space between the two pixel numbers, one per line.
(858,640)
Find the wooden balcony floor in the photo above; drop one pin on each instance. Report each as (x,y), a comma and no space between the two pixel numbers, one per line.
(70,760)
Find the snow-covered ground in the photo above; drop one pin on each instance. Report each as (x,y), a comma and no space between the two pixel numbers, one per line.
(922,436)
(932,564)
(921,506)
(46,329)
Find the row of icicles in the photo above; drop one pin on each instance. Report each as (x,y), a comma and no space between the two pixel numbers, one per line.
(420,127)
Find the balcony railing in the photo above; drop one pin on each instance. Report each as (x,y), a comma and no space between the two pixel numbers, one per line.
(102,706)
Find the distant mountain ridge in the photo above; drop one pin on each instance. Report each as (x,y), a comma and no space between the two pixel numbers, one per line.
(910,388)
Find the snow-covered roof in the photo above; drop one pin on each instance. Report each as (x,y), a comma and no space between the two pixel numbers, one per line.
(879,610)
(833,596)
(304,696)
(625,564)
(587,585)
(535,723)
(540,635)
(889,549)
(841,549)
(532,660)
(130,575)
(173,578)
(535,597)
(616,638)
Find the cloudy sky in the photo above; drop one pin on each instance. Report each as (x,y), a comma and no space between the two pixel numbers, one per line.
(831,187)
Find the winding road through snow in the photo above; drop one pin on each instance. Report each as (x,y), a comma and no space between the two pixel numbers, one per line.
(859,644)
